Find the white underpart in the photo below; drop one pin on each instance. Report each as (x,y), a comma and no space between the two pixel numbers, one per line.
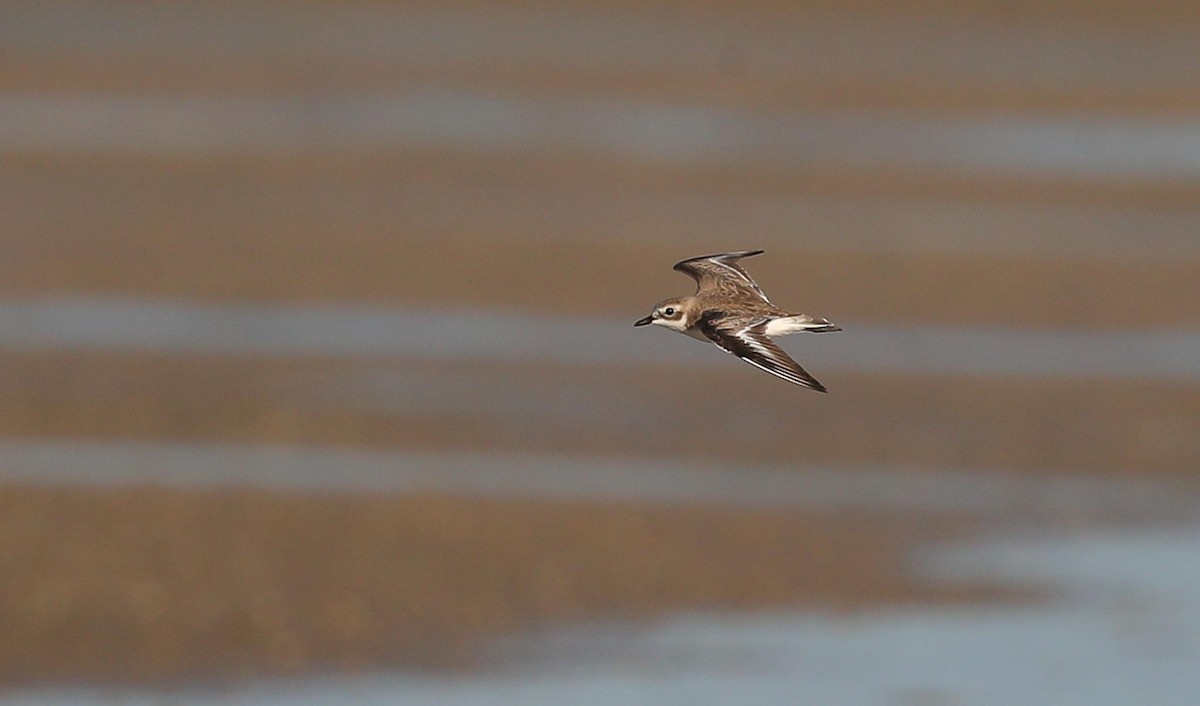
(792,324)
(754,343)
(673,324)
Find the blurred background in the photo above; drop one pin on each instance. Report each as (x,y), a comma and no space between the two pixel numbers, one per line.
(319,380)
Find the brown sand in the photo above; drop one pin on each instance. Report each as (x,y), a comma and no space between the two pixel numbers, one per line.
(154,585)
(1121,427)
(721,53)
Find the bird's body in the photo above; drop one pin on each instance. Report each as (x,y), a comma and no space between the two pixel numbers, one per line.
(732,312)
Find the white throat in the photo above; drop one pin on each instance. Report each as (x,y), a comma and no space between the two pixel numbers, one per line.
(673,324)
(681,327)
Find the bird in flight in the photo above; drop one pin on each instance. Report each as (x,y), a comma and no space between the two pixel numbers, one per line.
(732,312)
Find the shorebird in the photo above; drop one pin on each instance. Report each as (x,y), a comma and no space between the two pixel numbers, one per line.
(731,311)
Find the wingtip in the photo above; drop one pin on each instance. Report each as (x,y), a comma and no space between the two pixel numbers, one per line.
(734,255)
(739,254)
(815,386)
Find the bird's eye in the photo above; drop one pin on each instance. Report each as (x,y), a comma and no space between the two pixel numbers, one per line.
(669,311)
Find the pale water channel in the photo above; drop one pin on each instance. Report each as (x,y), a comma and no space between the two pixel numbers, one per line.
(190,126)
(175,326)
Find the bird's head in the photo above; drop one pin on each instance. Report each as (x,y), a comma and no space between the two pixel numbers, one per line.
(672,313)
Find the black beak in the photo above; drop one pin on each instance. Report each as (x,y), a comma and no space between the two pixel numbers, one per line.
(643,322)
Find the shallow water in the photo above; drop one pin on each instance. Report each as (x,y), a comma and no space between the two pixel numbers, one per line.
(1119,625)
(686,135)
(463,336)
(1123,628)
(495,475)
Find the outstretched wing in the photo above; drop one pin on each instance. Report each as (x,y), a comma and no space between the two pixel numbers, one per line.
(752,345)
(721,272)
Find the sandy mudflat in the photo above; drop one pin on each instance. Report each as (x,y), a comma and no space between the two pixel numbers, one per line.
(1129,428)
(152,585)
(1006,165)
(437,230)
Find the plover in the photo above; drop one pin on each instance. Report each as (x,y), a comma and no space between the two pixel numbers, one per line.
(731,311)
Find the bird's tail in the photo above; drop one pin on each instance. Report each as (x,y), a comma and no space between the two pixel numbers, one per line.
(822,326)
